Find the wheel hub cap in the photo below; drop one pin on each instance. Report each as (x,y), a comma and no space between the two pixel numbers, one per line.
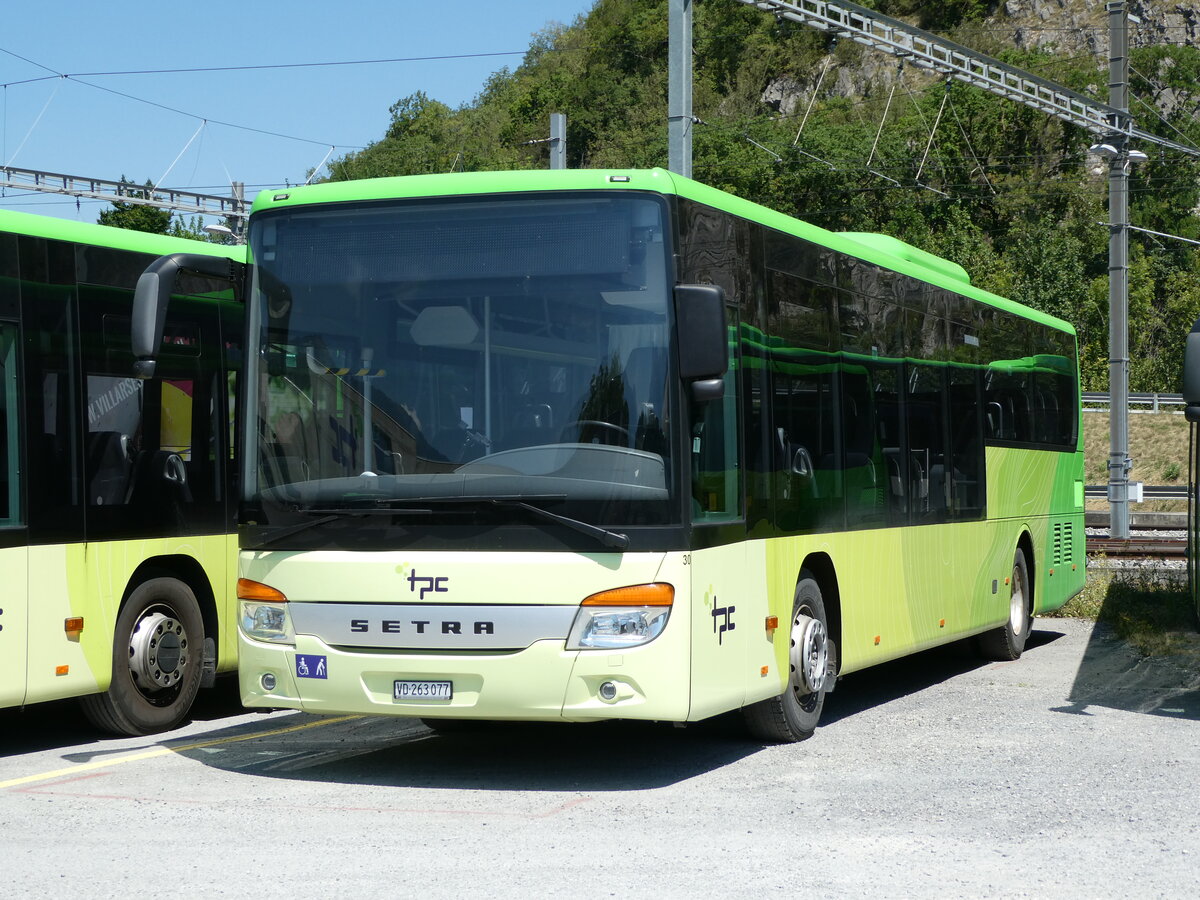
(158,652)
(809,653)
(1016,603)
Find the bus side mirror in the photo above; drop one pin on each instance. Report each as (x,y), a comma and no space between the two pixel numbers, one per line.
(1191,375)
(703,338)
(152,296)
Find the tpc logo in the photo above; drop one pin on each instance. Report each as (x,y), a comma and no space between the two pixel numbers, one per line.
(427,583)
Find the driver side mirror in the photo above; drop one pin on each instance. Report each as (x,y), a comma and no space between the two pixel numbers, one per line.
(703,338)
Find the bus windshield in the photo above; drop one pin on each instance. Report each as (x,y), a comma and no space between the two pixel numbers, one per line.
(431,353)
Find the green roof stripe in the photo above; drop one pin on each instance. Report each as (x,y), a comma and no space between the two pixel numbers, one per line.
(106,236)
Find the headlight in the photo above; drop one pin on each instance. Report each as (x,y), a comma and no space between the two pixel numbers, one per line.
(624,617)
(266,622)
(616,627)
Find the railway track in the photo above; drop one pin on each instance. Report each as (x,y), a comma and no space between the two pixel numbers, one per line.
(1145,548)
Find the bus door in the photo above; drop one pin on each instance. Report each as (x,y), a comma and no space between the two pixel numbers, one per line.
(14,537)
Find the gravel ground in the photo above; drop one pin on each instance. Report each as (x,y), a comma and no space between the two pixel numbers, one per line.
(1072,772)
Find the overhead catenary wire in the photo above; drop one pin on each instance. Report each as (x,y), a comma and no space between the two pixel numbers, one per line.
(970,149)
(33,127)
(812,99)
(65,77)
(875,144)
(195,135)
(324,159)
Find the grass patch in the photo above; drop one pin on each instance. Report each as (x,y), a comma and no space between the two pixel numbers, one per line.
(1158,445)
(1153,613)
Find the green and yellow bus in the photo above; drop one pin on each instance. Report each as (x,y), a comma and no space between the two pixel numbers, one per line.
(116,504)
(583,445)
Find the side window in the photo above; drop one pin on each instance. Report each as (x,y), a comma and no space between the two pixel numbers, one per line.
(809,483)
(716,467)
(887,395)
(139,447)
(966,443)
(866,469)
(715,248)
(115,437)
(52,416)
(153,451)
(928,478)
(10,483)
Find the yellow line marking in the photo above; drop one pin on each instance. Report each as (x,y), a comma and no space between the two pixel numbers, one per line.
(164,751)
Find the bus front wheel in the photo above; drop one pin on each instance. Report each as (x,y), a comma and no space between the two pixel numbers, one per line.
(157,661)
(793,715)
(1007,642)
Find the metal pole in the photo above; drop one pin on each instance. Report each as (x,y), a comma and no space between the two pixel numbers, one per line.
(558,141)
(239,202)
(679,88)
(1118,272)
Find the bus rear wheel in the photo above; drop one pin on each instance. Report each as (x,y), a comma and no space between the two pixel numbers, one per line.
(793,715)
(157,661)
(1007,642)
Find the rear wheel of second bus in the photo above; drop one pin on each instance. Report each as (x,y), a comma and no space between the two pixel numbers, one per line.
(793,715)
(1007,642)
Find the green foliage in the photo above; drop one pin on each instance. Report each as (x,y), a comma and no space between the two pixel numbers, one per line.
(193,230)
(1000,188)
(136,216)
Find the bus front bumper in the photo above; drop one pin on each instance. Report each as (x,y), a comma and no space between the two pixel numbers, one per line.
(544,682)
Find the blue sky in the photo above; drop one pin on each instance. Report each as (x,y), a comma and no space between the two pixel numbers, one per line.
(64,125)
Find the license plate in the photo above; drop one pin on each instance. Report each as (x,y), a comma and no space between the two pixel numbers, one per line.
(423,690)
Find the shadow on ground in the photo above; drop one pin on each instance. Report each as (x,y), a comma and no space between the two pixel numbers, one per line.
(911,674)
(1113,674)
(609,756)
(61,723)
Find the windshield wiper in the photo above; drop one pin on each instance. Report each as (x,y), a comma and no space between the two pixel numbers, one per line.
(329,515)
(608,538)
(394,507)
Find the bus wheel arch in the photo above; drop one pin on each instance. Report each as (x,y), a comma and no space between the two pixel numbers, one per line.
(820,566)
(793,715)
(188,570)
(159,653)
(1006,642)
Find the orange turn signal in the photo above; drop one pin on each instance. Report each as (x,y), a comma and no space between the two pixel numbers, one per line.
(655,594)
(256,590)
(62,670)
(73,626)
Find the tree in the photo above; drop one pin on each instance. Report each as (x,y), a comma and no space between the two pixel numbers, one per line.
(136,216)
(1000,188)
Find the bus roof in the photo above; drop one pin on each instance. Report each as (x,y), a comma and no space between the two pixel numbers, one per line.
(883,250)
(106,236)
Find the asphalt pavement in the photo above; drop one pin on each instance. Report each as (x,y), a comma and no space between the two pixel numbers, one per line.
(1073,772)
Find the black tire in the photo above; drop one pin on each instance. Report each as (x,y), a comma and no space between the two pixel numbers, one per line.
(158,649)
(793,715)
(1006,643)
